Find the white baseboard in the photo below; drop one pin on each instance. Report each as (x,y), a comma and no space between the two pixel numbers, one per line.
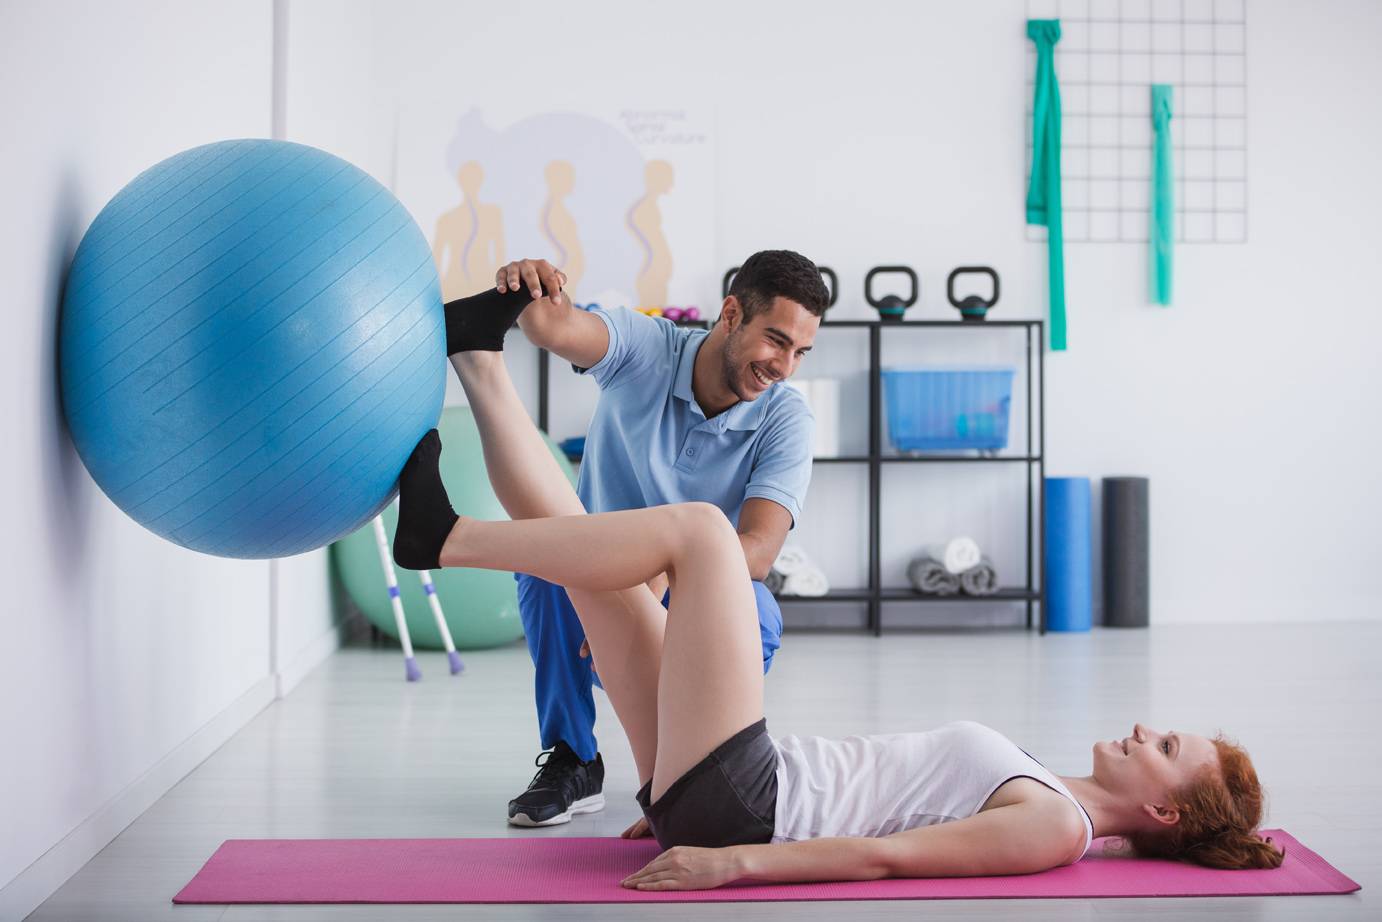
(311,656)
(50,871)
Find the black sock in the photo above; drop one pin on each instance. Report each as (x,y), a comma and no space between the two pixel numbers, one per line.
(425,516)
(479,322)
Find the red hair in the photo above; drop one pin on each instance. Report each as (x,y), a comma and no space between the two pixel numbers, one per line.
(1219,814)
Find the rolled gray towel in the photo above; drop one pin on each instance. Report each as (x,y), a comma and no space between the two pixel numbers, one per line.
(980,579)
(774,581)
(927,574)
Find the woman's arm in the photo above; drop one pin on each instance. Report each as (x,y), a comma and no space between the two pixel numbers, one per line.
(686,868)
(1018,839)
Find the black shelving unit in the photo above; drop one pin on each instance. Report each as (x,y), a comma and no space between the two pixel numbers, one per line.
(875,594)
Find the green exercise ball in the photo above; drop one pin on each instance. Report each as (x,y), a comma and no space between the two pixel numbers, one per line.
(481,606)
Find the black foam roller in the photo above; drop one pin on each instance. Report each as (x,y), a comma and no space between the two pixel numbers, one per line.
(1127,592)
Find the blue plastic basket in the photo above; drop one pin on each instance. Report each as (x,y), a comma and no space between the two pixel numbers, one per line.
(946,409)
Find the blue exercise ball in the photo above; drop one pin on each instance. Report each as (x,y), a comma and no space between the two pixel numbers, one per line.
(252,342)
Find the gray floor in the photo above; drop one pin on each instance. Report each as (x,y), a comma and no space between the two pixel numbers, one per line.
(356,752)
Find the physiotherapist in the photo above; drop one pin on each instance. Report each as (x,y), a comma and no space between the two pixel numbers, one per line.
(683,415)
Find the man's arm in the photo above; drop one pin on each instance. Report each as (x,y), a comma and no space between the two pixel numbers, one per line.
(552,323)
(763,526)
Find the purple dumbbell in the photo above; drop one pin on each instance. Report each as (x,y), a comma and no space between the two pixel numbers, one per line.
(673,314)
(690,313)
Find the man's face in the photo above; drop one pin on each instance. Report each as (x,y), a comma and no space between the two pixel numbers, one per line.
(767,348)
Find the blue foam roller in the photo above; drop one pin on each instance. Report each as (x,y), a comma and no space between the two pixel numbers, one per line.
(1069,571)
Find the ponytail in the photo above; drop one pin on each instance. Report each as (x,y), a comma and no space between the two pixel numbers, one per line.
(1219,814)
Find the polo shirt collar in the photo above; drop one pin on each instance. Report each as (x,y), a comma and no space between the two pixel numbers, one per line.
(743,416)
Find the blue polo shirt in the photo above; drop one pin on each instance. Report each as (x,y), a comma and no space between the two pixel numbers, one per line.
(650,444)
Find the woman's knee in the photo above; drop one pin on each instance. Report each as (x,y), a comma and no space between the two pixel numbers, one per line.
(702,524)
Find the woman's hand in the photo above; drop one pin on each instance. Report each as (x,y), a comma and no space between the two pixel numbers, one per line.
(639,830)
(685,868)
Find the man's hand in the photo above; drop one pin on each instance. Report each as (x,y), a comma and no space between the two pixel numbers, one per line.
(639,830)
(685,868)
(551,321)
(537,274)
(658,587)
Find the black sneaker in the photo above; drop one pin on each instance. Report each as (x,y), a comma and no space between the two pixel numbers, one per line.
(563,787)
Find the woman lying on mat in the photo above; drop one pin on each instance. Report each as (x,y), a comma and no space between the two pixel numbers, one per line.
(725,799)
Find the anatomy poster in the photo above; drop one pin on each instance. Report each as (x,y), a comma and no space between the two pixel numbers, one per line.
(620,199)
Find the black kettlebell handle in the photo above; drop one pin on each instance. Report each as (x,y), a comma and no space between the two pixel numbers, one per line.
(971,270)
(880,270)
(827,273)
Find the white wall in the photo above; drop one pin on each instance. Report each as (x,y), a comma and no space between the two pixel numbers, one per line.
(877,131)
(857,133)
(125,660)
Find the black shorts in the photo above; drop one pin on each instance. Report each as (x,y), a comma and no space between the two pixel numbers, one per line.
(727,798)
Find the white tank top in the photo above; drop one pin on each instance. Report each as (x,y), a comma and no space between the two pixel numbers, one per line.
(879,785)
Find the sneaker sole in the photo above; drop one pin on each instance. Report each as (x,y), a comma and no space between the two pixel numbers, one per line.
(592,804)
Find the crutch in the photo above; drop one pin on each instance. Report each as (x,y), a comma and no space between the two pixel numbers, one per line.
(381,541)
(452,656)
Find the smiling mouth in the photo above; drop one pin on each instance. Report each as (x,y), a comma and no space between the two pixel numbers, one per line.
(758,376)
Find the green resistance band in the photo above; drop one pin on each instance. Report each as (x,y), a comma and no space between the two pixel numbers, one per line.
(1043,192)
(1163,229)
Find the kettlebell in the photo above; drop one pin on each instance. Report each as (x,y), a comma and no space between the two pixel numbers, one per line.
(891,307)
(972,307)
(829,275)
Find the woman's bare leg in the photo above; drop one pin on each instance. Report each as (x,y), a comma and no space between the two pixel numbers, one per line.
(526,478)
(711,682)
(711,685)
(624,627)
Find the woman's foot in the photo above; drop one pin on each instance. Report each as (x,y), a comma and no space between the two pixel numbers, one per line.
(479,322)
(425,516)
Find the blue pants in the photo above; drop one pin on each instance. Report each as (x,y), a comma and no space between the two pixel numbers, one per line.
(565,702)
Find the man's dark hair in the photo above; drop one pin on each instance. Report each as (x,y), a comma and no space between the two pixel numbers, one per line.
(770,274)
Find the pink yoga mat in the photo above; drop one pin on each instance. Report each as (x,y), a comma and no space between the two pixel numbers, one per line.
(571,870)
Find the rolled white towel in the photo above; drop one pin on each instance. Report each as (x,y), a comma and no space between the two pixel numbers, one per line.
(791,559)
(957,554)
(808,581)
